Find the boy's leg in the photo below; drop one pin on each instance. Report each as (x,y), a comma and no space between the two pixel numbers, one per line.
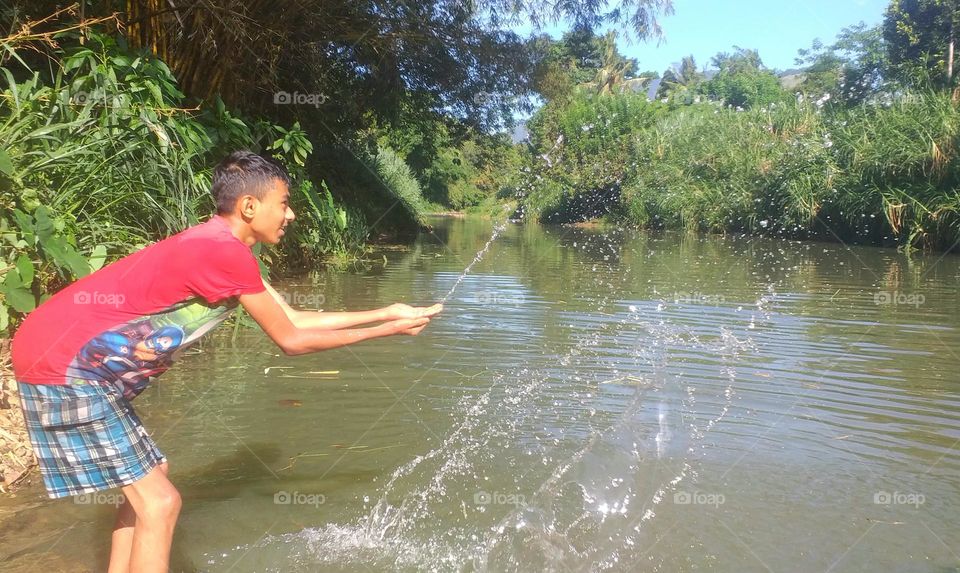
(156,505)
(121,544)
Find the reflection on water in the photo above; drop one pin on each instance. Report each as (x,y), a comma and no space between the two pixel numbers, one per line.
(589,400)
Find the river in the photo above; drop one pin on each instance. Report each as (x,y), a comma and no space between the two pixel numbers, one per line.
(590,400)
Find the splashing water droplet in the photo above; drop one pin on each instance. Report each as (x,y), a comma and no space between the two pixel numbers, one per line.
(496,233)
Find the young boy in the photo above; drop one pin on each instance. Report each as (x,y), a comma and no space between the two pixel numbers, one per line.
(82,356)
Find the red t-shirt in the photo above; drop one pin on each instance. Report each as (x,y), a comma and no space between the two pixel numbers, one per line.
(125,322)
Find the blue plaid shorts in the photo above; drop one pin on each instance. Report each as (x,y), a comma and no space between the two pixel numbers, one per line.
(86,437)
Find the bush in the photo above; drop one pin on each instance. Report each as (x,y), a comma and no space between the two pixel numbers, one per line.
(878,174)
(100,159)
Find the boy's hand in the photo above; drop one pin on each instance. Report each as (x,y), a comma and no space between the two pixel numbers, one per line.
(402,311)
(409,326)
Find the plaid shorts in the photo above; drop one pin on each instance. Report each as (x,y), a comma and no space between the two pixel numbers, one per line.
(86,437)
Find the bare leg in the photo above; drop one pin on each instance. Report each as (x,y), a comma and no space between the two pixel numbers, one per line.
(155,505)
(122,542)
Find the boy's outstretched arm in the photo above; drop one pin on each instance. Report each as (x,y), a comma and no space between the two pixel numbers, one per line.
(338,320)
(274,320)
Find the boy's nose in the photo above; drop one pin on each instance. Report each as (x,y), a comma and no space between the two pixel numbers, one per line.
(290,216)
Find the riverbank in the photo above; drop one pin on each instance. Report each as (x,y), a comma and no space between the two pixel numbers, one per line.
(880,174)
(16,456)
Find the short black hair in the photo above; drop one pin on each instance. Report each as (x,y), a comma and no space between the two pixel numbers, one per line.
(243,173)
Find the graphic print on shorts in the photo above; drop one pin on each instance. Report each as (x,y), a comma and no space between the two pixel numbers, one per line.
(130,354)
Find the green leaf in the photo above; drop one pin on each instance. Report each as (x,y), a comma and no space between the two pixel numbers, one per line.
(44,227)
(98,257)
(25,269)
(4,317)
(155,91)
(11,281)
(6,166)
(76,60)
(45,130)
(66,257)
(20,299)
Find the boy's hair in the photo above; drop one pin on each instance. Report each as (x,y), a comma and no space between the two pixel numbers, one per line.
(243,173)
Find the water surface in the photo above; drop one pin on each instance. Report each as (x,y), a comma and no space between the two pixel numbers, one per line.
(590,400)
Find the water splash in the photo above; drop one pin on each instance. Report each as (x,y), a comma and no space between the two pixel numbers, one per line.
(590,480)
(496,233)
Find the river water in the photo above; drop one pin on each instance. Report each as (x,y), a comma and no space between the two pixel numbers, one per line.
(590,400)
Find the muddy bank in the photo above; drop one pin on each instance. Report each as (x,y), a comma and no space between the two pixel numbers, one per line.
(17,464)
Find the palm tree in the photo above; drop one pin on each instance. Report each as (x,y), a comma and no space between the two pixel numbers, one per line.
(680,79)
(615,67)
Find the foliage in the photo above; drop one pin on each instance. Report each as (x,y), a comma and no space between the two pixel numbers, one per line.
(581,152)
(363,57)
(398,179)
(870,174)
(680,81)
(743,81)
(918,35)
(100,159)
(852,69)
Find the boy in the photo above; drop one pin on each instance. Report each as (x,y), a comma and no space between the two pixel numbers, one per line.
(87,351)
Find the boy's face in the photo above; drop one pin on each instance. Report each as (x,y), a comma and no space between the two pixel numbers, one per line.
(272,214)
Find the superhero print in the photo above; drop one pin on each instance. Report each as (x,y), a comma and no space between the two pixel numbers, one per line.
(132,354)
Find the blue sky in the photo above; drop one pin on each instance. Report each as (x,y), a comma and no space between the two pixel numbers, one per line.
(777,28)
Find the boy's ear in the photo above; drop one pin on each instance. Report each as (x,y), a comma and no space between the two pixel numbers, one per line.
(247,205)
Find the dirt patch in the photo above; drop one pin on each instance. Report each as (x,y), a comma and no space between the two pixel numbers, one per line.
(453,214)
(16,455)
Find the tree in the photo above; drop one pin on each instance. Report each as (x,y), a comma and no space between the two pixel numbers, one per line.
(742,80)
(616,68)
(359,56)
(583,60)
(920,40)
(851,69)
(679,79)
(561,65)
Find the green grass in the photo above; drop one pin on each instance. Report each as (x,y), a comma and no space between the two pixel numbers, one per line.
(878,174)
